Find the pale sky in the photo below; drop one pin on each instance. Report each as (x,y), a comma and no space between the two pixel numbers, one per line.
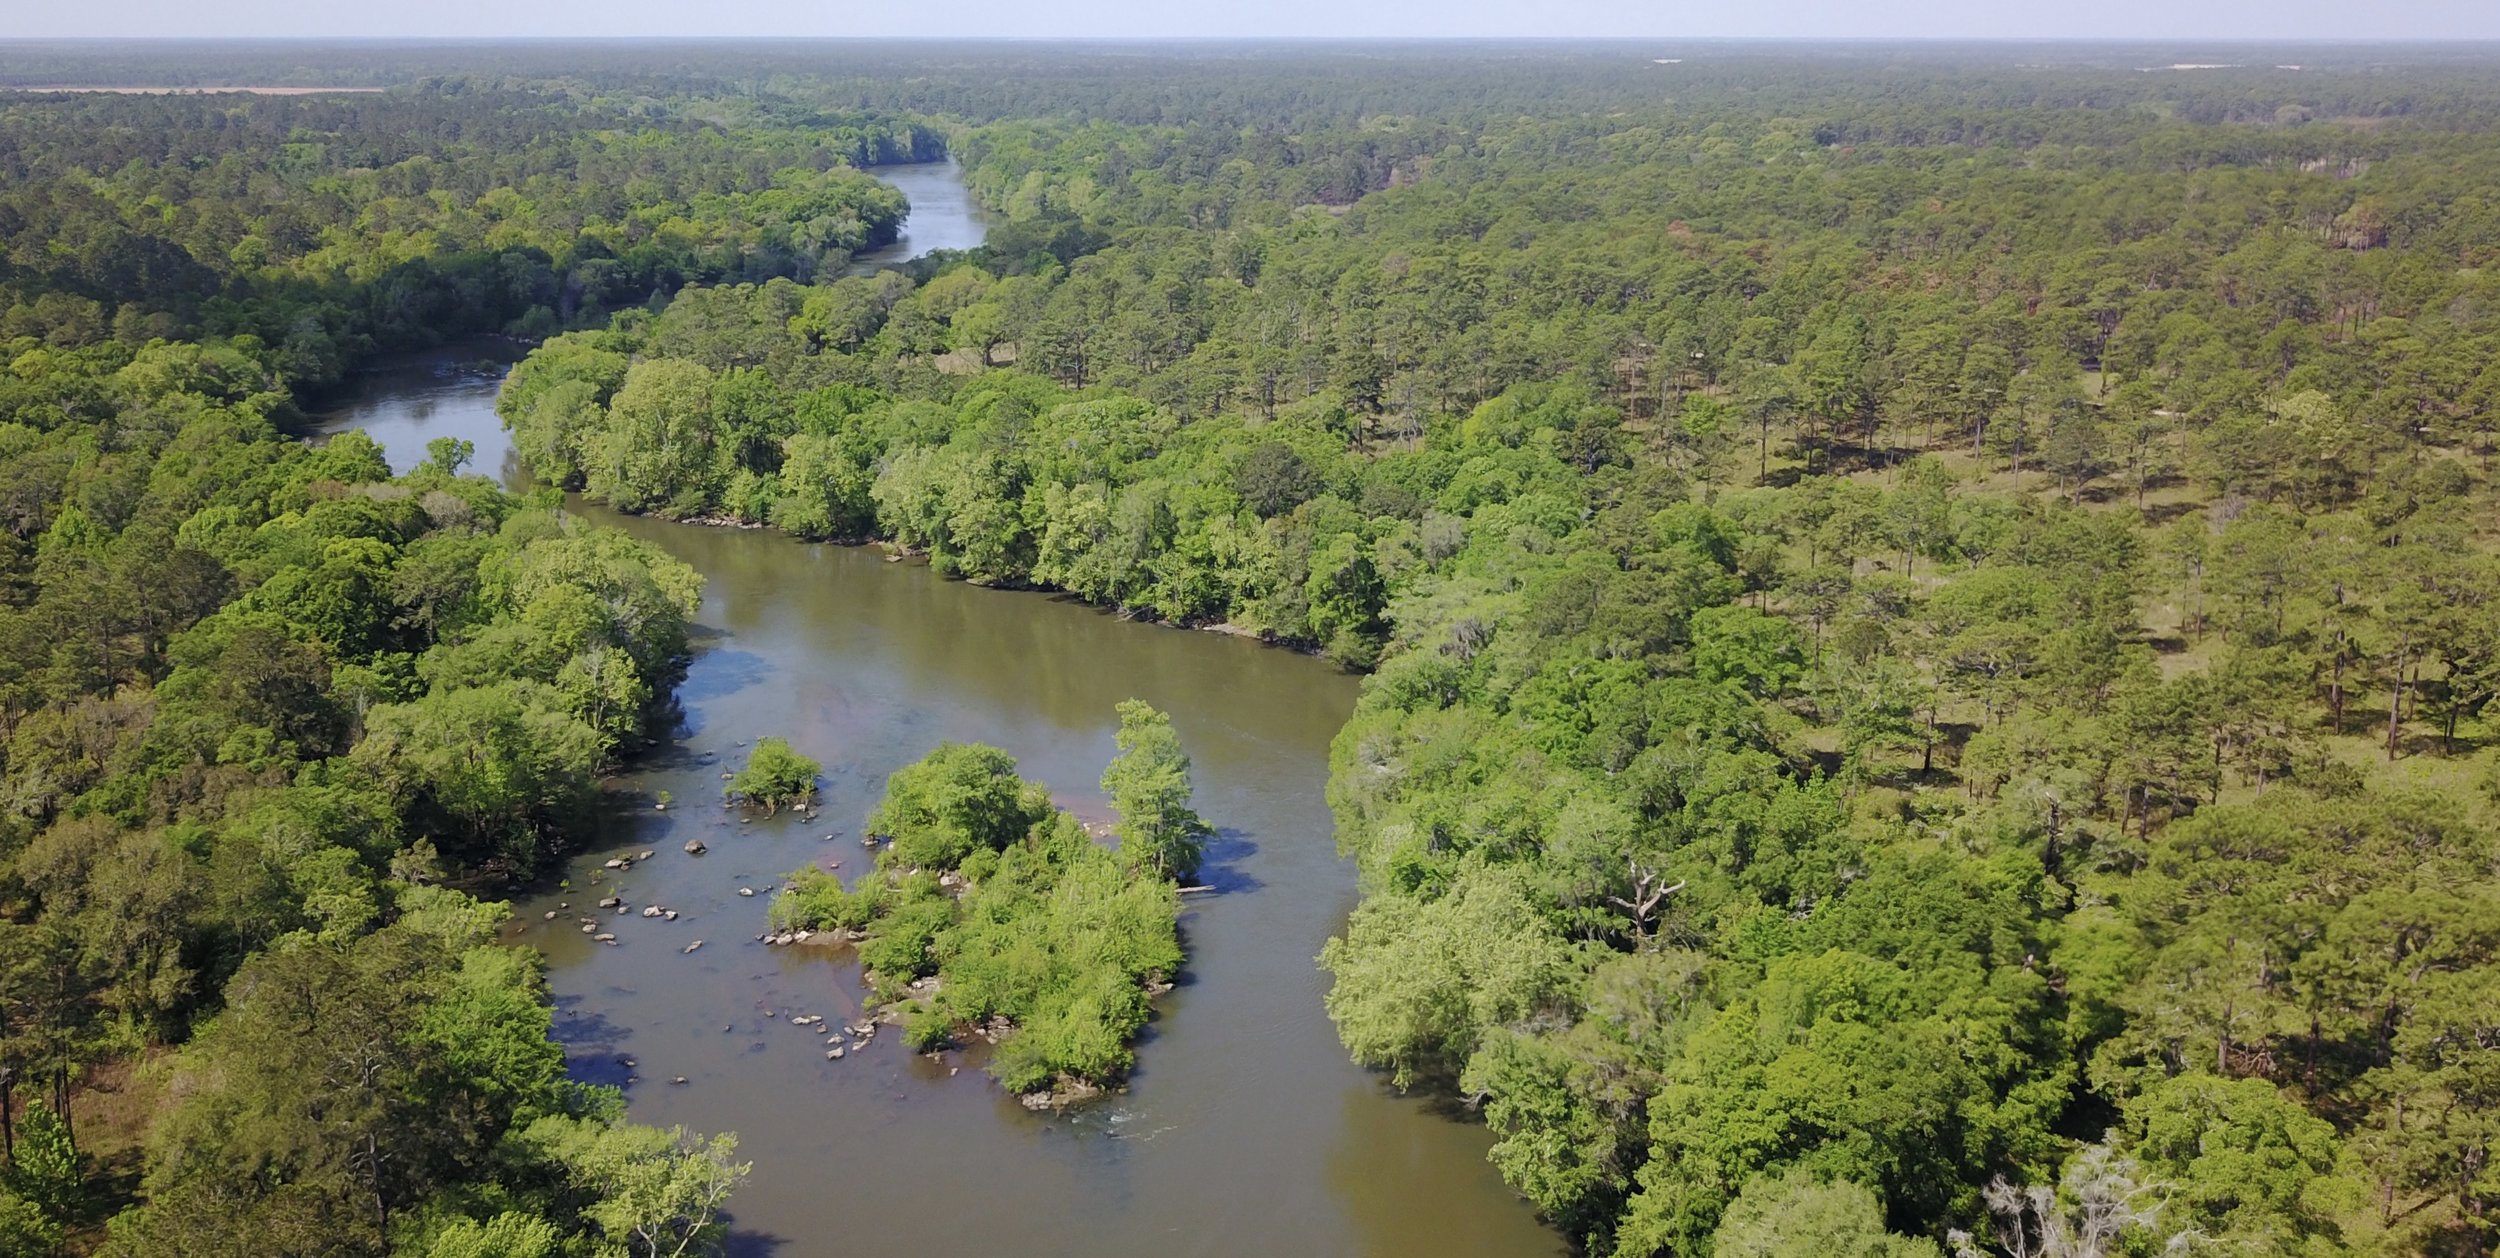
(1916,19)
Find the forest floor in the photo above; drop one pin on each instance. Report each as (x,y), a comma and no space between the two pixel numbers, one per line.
(2166,618)
(115,1106)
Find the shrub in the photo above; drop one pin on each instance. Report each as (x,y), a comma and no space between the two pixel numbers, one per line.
(897,950)
(816,900)
(775,775)
(952,802)
(928,1029)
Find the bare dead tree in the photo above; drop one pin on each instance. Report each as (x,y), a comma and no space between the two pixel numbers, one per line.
(1646,896)
(2106,1201)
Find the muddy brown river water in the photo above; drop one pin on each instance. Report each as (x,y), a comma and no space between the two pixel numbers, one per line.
(1244,1131)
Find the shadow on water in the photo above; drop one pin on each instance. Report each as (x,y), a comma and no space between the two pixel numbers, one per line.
(748,1243)
(1225,864)
(594,1045)
(670,754)
(719,672)
(1245,1130)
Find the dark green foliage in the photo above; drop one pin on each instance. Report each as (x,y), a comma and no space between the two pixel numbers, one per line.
(354,1083)
(1273,480)
(259,696)
(1889,584)
(503,210)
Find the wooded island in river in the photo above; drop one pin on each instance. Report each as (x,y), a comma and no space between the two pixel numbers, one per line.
(1931,617)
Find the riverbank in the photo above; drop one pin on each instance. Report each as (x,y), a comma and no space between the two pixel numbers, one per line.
(1244,1120)
(944,215)
(1244,1126)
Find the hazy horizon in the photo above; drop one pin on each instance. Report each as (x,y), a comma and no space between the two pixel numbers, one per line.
(2120,21)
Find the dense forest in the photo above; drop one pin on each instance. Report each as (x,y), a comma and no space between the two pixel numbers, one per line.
(274,718)
(1931,614)
(329,226)
(273,714)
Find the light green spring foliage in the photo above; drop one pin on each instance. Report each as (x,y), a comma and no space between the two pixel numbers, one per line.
(775,775)
(1148,782)
(1059,939)
(503,1236)
(644,1192)
(26,1231)
(44,1182)
(492,759)
(1617,712)
(2119,474)
(1035,923)
(1800,1216)
(1416,981)
(654,450)
(959,799)
(1015,481)
(1761,654)
(2242,1160)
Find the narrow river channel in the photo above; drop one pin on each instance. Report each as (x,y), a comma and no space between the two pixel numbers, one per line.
(1245,1130)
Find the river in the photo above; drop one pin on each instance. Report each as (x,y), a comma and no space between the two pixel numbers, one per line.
(1244,1130)
(943,214)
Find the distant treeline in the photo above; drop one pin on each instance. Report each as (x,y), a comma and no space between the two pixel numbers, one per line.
(1934,626)
(1934,630)
(328,226)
